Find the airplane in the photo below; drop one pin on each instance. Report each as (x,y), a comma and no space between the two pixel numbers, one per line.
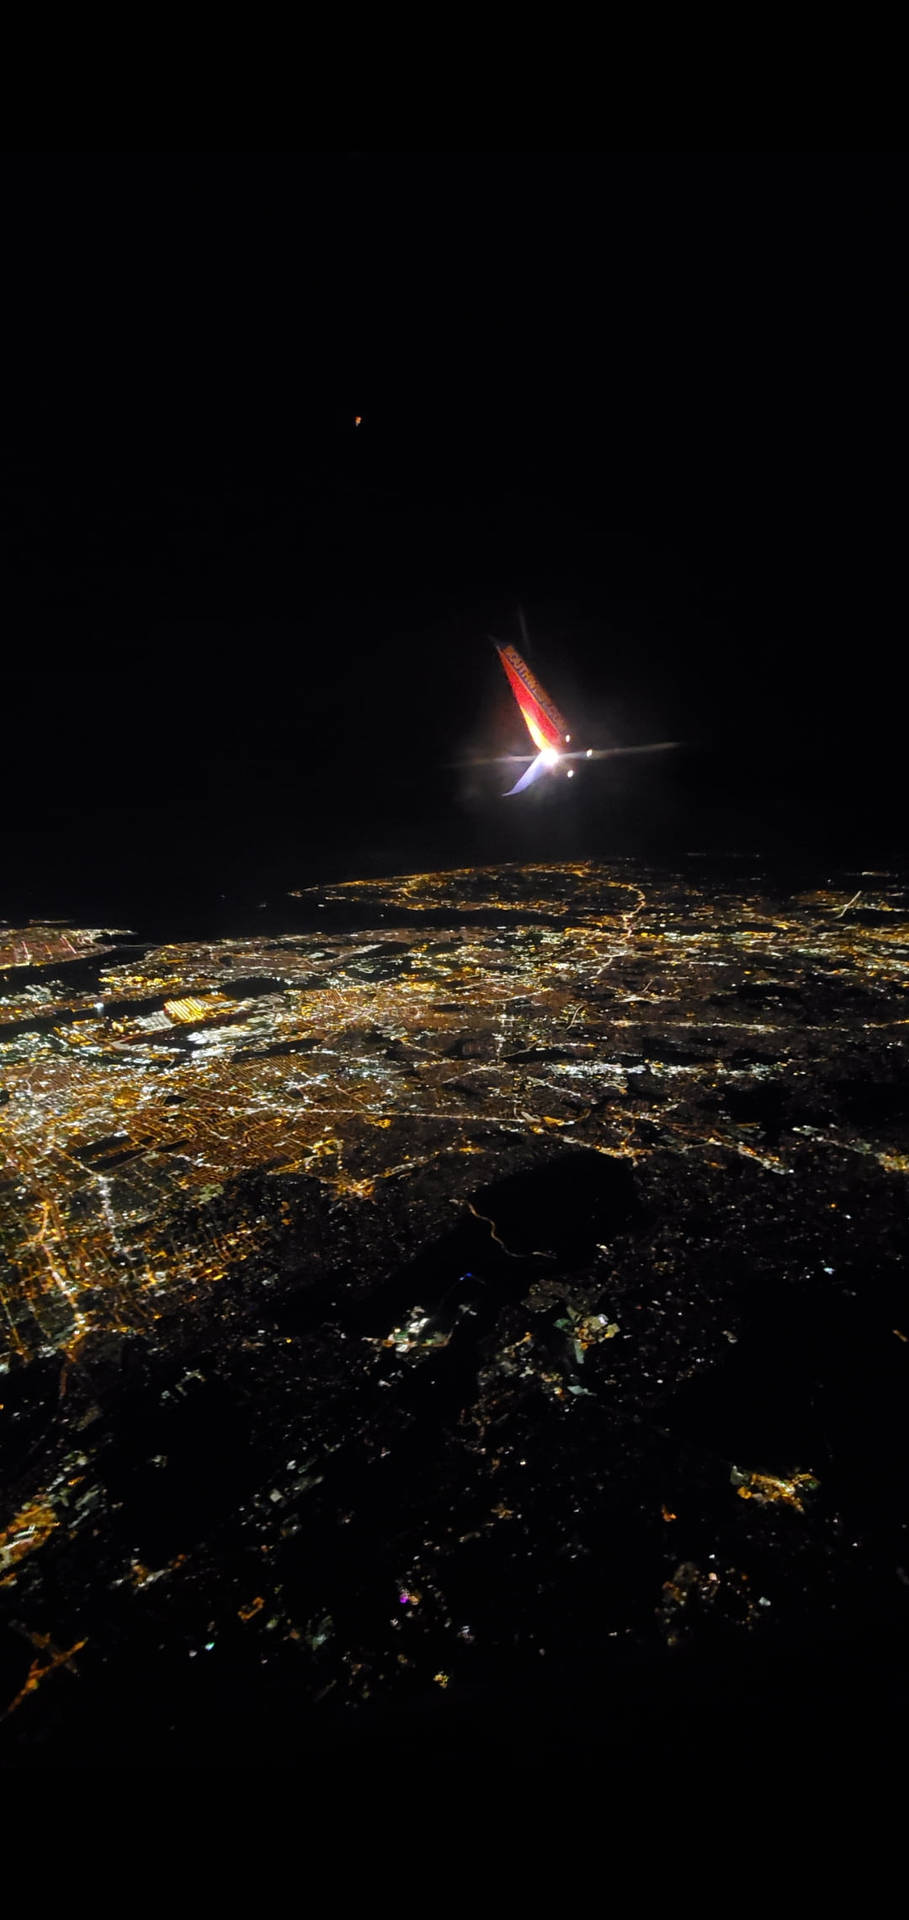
(546,725)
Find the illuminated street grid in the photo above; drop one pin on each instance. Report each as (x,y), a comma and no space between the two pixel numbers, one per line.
(354,1059)
(187,1129)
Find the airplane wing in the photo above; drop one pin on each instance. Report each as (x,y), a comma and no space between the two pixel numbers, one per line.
(541,716)
(546,725)
(537,766)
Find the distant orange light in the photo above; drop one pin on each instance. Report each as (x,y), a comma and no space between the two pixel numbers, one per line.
(358,419)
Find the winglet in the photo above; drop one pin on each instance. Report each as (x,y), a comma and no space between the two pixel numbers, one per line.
(527,779)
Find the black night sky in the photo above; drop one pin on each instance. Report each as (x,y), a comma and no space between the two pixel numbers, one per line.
(658,400)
